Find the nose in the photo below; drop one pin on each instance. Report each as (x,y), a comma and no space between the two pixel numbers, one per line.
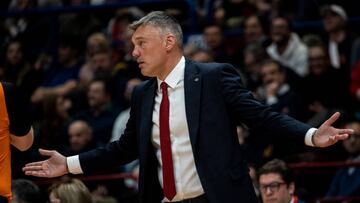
(268,191)
(135,53)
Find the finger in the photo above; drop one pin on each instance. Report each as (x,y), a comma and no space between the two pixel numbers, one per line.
(45,152)
(345,131)
(39,163)
(332,119)
(32,168)
(341,137)
(36,173)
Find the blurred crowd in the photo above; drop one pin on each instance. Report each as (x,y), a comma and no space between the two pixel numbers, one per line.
(76,71)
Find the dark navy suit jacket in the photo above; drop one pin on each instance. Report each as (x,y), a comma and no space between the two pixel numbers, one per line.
(215,102)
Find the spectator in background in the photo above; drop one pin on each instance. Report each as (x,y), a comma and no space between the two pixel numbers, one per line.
(214,38)
(343,46)
(25,191)
(346,181)
(201,55)
(286,47)
(61,78)
(122,118)
(15,65)
(101,113)
(277,92)
(355,82)
(53,122)
(254,55)
(69,191)
(254,31)
(323,85)
(18,70)
(80,137)
(276,183)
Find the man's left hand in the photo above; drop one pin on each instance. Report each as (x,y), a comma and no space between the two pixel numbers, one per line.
(327,135)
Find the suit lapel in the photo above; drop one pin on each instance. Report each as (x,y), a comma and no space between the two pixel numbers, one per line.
(192,88)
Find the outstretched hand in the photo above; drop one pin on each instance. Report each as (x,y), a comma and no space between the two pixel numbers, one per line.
(327,135)
(53,167)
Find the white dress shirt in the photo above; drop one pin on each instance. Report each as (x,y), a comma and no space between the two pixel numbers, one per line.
(187,180)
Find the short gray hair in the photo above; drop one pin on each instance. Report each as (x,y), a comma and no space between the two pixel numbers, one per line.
(163,21)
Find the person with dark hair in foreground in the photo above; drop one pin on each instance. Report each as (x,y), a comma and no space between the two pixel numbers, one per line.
(182,126)
(276,183)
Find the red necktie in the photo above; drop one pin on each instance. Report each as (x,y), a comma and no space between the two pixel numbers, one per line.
(165,146)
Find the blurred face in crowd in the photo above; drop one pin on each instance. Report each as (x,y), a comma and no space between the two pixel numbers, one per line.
(352,145)
(65,54)
(280,31)
(270,73)
(101,61)
(14,53)
(213,36)
(274,190)
(63,106)
(97,96)
(150,50)
(318,60)
(96,42)
(253,30)
(333,22)
(202,56)
(79,135)
(130,85)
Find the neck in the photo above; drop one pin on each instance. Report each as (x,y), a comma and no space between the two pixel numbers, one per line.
(337,36)
(169,65)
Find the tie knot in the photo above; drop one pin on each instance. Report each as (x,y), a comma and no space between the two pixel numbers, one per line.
(163,86)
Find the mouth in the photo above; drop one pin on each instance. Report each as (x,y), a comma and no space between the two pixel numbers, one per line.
(140,63)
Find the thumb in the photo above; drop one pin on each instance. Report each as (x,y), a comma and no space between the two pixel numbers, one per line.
(45,152)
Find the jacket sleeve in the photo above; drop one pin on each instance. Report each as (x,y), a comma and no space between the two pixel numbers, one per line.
(246,109)
(118,152)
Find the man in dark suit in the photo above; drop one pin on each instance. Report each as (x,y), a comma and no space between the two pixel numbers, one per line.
(182,126)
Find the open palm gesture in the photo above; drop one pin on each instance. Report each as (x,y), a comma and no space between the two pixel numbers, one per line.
(327,135)
(53,167)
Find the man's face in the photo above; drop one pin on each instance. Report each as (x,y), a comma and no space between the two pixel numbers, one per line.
(332,22)
(352,144)
(14,53)
(318,62)
(213,36)
(274,190)
(253,30)
(97,95)
(270,73)
(280,31)
(79,135)
(101,61)
(150,50)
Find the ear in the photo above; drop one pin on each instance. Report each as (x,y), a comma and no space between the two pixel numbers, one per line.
(170,42)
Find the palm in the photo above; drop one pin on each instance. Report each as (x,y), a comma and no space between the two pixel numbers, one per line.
(327,135)
(53,167)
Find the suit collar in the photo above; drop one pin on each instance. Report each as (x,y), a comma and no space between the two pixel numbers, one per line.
(192,88)
(175,76)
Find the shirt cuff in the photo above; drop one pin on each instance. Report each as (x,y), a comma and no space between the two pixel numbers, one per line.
(73,164)
(309,137)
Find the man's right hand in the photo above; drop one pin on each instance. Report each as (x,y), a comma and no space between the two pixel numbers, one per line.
(55,166)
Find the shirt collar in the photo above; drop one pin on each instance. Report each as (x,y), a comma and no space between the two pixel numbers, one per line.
(176,75)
